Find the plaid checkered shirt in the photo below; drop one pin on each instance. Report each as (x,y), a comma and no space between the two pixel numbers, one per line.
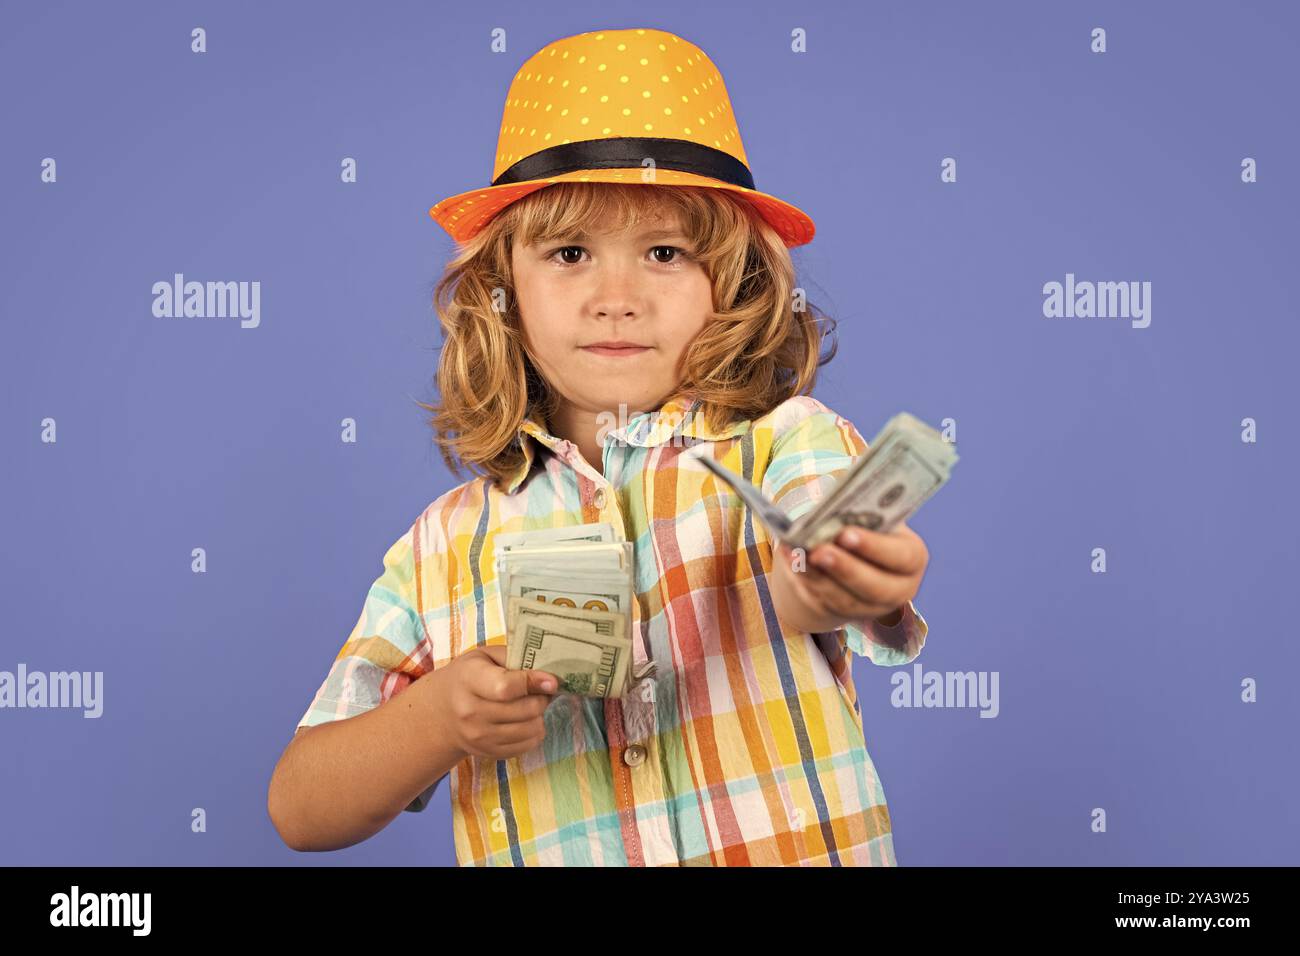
(745,744)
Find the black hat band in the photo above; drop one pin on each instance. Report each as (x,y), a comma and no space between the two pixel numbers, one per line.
(629,152)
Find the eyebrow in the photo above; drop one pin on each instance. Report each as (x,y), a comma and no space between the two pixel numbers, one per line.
(582,236)
(663,234)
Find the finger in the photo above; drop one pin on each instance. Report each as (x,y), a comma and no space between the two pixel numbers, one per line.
(515,740)
(895,551)
(495,651)
(899,551)
(498,682)
(863,581)
(516,734)
(817,588)
(509,684)
(833,598)
(522,710)
(542,682)
(796,559)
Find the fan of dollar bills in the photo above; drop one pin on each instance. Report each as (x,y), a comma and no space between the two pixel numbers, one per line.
(567,595)
(905,464)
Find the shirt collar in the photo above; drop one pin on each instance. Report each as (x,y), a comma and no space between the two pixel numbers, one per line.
(679,415)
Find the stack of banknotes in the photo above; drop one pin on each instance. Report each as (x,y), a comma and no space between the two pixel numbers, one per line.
(905,464)
(567,595)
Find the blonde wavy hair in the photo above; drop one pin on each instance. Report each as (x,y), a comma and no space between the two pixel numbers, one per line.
(754,353)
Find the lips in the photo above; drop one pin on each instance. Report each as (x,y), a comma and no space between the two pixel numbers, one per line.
(616,350)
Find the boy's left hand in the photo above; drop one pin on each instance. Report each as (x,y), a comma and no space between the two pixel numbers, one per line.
(872,578)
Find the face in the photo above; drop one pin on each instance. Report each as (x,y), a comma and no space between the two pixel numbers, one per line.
(639,287)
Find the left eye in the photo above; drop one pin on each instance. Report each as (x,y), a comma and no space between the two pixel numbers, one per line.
(668,249)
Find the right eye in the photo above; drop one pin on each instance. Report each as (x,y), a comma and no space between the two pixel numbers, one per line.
(560,251)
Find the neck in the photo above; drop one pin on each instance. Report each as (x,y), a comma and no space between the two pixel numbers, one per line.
(582,427)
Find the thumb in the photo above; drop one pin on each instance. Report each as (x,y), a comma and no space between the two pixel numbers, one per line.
(522,682)
(540,682)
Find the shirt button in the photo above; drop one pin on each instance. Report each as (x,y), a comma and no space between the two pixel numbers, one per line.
(600,497)
(634,755)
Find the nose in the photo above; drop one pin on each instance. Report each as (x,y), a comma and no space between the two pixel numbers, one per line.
(617,293)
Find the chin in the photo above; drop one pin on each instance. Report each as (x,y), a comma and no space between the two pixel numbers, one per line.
(632,399)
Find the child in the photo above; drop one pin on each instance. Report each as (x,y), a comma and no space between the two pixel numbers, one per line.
(599,323)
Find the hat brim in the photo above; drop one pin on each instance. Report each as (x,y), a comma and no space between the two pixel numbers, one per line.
(464,215)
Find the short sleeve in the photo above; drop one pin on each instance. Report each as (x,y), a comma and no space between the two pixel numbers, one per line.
(888,646)
(809,456)
(386,651)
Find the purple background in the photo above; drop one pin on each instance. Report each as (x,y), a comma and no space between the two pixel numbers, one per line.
(1119,690)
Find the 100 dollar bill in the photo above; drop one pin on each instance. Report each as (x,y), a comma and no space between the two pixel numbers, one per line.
(566,594)
(907,463)
(589,652)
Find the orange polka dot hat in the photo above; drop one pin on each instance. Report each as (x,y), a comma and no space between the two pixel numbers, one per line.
(617,106)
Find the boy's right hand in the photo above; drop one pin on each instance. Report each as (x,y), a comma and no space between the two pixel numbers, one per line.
(491,710)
